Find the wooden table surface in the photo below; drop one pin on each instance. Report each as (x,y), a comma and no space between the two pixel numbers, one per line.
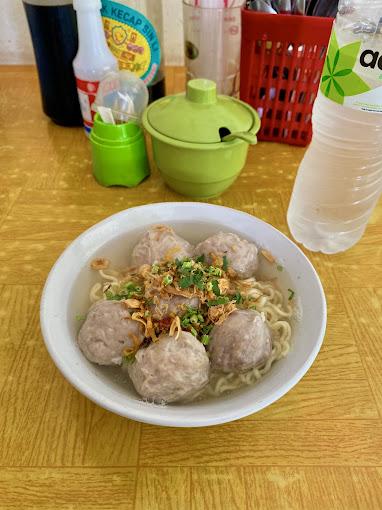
(319,447)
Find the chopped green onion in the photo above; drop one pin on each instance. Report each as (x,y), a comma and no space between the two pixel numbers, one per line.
(80,317)
(185,282)
(225,263)
(279,268)
(207,329)
(201,258)
(205,340)
(200,317)
(128,286)
(127,290)
(167,280)
(193,331)
(199,284)
(192,316)
(209,286)
(187,264)
(198,279)
(222,300)
(291,294)
(215,271)
(238,298)
(155,269)
(109,295)
(215,287)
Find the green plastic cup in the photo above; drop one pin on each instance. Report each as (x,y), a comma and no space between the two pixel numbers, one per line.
(119,153)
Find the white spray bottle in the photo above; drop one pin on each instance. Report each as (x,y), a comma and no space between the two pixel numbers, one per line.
(94,58)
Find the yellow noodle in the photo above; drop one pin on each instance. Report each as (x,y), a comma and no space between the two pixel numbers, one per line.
(268,301)
(96,292)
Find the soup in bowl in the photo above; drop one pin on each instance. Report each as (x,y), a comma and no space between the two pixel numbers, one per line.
(183,314)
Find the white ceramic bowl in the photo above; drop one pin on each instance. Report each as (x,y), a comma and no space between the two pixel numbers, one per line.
(66,295)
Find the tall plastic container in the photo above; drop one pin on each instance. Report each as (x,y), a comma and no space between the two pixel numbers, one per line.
(340,178)
(212,37)
(134,32)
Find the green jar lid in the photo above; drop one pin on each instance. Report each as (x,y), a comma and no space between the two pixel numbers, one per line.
(197,116)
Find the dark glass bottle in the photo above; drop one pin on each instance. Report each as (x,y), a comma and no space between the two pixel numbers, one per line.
(53,28)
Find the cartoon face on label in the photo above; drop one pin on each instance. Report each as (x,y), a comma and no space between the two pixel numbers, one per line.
(119,35)
(133,40)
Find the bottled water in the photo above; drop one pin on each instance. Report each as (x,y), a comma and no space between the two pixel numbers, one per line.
(340,178)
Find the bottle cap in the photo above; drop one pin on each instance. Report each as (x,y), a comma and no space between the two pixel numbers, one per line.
(85,5)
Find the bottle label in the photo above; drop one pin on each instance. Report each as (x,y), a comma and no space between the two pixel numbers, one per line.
(352,74)
(133,40)
(87,91)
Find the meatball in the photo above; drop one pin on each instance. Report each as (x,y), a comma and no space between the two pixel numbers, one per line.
(241,255)
(177,305)
(107,331)
(243,341)
(160,243)
(170,369)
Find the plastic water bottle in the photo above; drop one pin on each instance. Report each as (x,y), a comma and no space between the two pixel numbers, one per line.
(340,178)
(94,58)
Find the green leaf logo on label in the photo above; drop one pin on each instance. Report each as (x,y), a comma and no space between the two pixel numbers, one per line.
(338,78)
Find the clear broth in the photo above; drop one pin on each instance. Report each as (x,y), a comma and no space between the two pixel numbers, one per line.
(119,250)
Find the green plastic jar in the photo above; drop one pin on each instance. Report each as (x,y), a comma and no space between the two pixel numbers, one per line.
(188,142)
(119,153)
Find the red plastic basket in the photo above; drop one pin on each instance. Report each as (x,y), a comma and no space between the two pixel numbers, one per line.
(282,57)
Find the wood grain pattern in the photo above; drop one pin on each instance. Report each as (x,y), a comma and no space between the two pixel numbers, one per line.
(368,487)
(67,489)
(274,488)
(367,326)
(7,199)
(18,260)
(262,442)
(313,398)
(163,489)
(219,488)
(66,421)
(17,304)
(112,440)
(319,447)
(359,276)
(23,398)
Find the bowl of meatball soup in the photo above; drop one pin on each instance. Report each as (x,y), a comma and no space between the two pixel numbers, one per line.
(183,314)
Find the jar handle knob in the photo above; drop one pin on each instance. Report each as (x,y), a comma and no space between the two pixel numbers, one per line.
(201,91)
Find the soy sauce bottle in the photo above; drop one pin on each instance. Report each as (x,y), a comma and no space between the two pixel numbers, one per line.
(53,28)
(134,32)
